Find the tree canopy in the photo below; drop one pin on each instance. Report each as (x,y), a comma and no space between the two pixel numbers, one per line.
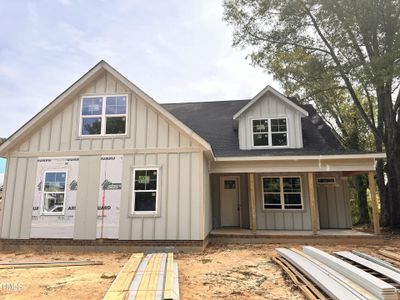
(344,56)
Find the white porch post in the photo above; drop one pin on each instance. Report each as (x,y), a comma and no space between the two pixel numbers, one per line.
(252,203)
(313,206)
(375,213)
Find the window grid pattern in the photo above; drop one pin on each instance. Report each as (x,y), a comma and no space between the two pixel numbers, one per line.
(283,193)
(104,115)
(53,192)
(270,132)
(145,191)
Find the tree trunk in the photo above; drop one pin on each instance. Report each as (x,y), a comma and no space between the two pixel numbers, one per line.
(361,184)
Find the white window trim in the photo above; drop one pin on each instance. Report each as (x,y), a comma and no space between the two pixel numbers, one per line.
(61,213)
(282,194)
(145,213)
(103,116)
(269,132)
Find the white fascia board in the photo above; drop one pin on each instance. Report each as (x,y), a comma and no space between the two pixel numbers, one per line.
(49,108)
(158,107)
(276,93)
(102,65)
(303,157)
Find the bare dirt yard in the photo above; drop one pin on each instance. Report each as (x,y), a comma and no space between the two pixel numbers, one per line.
(220,272)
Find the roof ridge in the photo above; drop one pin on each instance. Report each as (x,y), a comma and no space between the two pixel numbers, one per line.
(207,101)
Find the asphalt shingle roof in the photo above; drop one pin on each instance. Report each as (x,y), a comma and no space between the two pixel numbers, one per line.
(213,121)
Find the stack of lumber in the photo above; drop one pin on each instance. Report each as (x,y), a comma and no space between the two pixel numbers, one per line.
(346,275)
(374,285)
(51,264)
(154,276)
(331,286)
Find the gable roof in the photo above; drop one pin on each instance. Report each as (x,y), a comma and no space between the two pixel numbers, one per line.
(62,98)
(213,121)
(280,96)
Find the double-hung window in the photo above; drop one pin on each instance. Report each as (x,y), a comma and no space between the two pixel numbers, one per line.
(269,132)
(53,193)
(104,115)
(282,193)
(145,193)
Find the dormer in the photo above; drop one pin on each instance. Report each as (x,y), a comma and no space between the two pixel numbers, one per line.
(270,121)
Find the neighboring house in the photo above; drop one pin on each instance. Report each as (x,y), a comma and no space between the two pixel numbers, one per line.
(104,160)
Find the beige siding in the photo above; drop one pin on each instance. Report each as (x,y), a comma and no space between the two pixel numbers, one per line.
(19,198)
(87,197)
(151,140)
(179,217)
(146,127)
(270,106)
(208,216)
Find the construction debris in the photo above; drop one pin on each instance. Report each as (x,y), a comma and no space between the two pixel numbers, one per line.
(52,264)
(154,276)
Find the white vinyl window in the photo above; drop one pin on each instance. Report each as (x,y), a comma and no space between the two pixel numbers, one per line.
(283,193)
(104,115)
(269,132)
(145,190)
(54,192)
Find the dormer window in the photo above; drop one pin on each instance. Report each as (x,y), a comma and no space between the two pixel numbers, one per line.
(269,132)
(104,115)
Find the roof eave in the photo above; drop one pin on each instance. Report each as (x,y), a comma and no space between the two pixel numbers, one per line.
(268,88)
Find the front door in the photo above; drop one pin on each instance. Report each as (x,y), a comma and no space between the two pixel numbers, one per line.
(229,198)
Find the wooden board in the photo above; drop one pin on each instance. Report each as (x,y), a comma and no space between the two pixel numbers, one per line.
(390,255)
(169,278)
(120,286)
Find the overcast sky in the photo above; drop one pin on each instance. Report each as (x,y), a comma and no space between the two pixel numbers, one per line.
(174,50)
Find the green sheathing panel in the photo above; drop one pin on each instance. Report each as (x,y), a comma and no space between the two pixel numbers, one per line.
(88,194)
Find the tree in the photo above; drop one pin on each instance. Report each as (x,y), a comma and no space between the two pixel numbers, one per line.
(354,44)
(297,71)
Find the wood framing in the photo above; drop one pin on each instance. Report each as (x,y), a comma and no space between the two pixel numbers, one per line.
(374,203)
(313,206)
(252,203)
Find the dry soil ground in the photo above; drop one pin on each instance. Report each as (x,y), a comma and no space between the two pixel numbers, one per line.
(220,272)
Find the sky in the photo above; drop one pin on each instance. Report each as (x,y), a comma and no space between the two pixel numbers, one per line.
(174,50)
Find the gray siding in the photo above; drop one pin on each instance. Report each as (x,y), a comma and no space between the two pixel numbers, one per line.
(270,106)
(334,203)
(216,203)
(283,220)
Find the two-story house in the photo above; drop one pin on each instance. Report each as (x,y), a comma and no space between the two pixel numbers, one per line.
(106,161)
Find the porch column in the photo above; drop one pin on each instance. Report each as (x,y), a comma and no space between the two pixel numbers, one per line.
(375,213)
(313,206)
(252,203)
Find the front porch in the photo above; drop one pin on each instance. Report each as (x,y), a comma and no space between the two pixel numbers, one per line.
(284,199)
(324,237)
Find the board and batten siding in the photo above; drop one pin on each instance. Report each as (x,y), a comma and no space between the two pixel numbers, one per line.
(19,196)
(283,219)
(151,141)
(270,106)
(146,127)
(179,198)
(334,203)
